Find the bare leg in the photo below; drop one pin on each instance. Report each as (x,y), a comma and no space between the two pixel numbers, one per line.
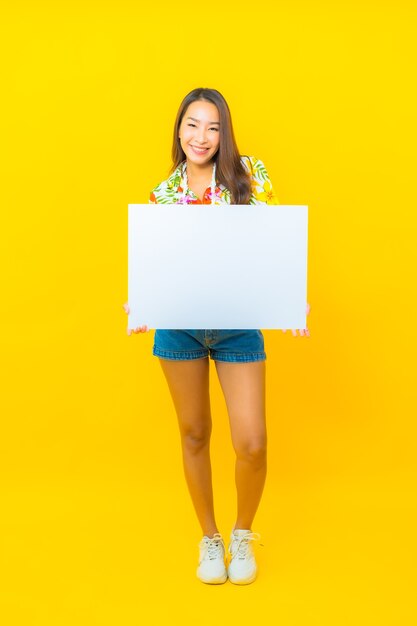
(188,382)
(243,386)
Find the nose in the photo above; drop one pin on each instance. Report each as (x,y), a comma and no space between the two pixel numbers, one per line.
(201,135)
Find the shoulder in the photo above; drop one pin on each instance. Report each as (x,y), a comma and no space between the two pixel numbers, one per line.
(166,190)
(254,166)
(262,192)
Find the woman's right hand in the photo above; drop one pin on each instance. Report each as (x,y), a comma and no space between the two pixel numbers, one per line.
(139,329)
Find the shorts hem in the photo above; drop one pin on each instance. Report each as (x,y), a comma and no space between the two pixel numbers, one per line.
(239,358)
(179,356)
(230,357)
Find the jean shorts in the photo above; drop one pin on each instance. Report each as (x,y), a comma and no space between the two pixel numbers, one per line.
(235,346)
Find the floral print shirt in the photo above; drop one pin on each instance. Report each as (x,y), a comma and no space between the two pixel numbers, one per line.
(170,191)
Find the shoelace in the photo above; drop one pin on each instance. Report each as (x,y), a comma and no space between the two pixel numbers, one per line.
(214,546)
(242,544)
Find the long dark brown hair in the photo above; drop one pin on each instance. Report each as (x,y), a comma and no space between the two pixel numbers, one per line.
(230,171)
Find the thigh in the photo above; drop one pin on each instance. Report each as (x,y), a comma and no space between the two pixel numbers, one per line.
(188,382)
(243,386)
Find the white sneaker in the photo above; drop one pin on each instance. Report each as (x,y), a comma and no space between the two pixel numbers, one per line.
(211,567)
(242,568)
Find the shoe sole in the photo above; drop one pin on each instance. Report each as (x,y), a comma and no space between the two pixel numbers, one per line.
(243,581)
(214,581)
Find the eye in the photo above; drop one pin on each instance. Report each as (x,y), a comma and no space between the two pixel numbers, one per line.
(190,124)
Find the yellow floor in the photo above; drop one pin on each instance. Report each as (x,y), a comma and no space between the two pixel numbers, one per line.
(83,552)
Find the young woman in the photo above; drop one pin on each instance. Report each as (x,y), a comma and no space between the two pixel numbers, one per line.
(208,169)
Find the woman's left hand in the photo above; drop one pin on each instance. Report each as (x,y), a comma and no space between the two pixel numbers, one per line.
(303,332)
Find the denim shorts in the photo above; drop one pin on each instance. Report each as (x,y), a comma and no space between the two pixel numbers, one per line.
(236,346)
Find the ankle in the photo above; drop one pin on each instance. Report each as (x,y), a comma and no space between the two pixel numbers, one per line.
(210,533)
(242,527)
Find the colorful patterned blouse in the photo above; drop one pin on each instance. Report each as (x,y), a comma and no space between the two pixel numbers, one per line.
(170,191)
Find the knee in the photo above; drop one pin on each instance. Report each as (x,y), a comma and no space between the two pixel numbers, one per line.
(252,450)
(195,439)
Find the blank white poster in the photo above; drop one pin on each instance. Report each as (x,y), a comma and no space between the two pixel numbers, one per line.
(217,266)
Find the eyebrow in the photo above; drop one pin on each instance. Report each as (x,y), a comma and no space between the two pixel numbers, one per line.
(193,118)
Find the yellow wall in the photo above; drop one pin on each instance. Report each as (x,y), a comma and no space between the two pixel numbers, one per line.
(93,495)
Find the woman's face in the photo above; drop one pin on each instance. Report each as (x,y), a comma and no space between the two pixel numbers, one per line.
(199,132)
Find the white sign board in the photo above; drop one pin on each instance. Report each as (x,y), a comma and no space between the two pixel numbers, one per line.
(225,266)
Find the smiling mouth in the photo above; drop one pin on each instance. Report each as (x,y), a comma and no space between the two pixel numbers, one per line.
(199,150)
